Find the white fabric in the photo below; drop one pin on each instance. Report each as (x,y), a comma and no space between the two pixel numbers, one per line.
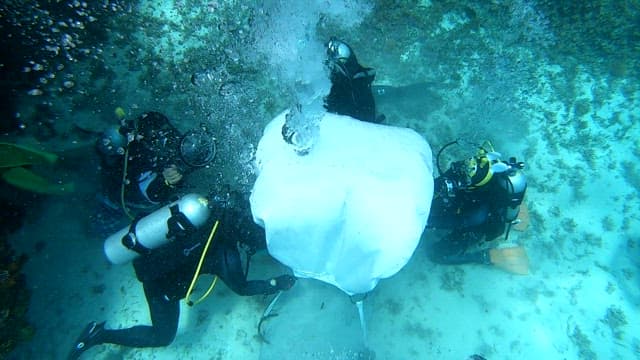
(352,210)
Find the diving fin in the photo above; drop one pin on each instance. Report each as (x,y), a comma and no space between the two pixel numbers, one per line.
(13,155)
(27,180)
(92,335)
(511,259)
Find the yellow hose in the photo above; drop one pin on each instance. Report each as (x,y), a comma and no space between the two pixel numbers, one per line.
(124,183)
(197,273)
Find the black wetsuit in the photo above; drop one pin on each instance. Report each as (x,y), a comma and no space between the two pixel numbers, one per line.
(154,148)
(472,215)
(351,92)
(167,272)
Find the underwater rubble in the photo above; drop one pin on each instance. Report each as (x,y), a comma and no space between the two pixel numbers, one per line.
(14,295)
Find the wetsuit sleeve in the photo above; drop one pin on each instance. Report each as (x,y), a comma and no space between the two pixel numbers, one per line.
(228,266)
(158,190)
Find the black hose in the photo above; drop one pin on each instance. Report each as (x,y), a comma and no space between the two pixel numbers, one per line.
(440,172)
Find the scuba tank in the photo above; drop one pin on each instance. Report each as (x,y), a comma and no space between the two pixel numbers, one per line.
(514,183)
(156,229)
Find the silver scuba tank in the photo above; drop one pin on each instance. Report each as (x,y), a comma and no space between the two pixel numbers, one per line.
(152,231)
(515,185)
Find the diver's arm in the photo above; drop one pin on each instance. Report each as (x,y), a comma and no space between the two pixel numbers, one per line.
(159,187)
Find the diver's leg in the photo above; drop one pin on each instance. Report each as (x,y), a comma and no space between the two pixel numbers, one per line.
(164,317)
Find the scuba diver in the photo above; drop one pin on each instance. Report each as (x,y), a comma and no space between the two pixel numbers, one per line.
(169,249)
(351,92)
(168,274)
(144,161)
(478,200)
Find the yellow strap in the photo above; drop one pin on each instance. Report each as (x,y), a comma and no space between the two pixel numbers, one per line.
(485,180)
(484,163)
(197,273)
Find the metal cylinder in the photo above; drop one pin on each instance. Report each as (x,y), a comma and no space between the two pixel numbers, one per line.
(151,231)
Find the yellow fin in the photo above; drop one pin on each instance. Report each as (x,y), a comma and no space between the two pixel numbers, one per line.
(510,259)
(27,180)
(12,155)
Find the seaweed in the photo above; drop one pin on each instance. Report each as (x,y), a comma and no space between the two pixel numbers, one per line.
(630,173)
(608,224)
(569,225)
(14,300)
(616,319)
(98,289)
(393,307)
(452,280)
(582,342)
(582,107)
(417,329)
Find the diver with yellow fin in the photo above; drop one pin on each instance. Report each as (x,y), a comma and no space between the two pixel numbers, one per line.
(478,199)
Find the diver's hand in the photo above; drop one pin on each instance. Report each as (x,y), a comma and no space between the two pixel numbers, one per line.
(283,282)
(171,175)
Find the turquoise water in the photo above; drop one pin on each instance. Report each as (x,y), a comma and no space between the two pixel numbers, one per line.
(555,84)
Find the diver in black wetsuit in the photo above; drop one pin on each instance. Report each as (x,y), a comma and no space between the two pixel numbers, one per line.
(477,199)
(152,155)
(147,156)
(143,162)
(351,92)
(167,272)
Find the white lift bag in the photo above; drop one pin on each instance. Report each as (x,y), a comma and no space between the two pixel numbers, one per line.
(349,211)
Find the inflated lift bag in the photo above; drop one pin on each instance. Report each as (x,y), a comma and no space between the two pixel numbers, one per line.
(352,210)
